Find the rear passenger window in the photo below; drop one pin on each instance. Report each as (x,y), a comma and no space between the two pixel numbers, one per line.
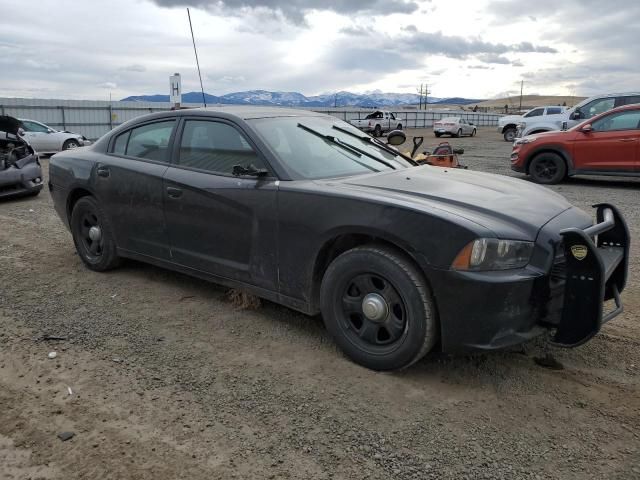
(554,110)
(150,141)
(216,147)
(631,100)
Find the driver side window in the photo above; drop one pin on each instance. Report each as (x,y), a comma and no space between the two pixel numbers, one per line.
(34,127)
(216,147)
(597,107)
(535,113)
(618,121)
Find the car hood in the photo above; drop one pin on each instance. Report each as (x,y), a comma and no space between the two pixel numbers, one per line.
(10,124)
(510,119)
(508,207)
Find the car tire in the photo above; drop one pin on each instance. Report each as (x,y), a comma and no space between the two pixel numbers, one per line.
(437,135)
(473,132)
(458,134)
(509,135)
(547,168)
(92,235)
(70,144)
(377,132)
(402,325)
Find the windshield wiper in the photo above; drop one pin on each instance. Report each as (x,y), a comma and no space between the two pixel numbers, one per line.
(348,146)
(376,142)
(336,141)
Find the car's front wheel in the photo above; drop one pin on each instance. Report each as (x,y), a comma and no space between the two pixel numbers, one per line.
(377,132)
(473,132)
(547,168)
(92,235)
(378,308)
(509,135)
(70,144)
(458,133)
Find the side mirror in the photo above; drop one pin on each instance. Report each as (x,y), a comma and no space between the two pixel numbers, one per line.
(396,137)
(21,132)
(471,123)
(587,128)
(50,130)
(576,115)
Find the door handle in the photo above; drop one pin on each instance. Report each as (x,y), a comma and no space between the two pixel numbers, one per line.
(174,192)
(103,172)
(628,140)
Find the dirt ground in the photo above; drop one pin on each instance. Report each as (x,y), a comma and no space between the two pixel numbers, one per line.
(159,377)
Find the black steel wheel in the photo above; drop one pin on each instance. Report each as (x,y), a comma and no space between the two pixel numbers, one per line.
(378,308)
(92,235)
(547,168)
(377,132)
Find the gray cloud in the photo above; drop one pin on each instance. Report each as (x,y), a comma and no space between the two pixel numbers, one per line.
(134,67)
(493,58)
(295,10)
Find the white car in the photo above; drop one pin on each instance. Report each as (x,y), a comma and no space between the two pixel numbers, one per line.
(45,139)
(454,126)
(508,125)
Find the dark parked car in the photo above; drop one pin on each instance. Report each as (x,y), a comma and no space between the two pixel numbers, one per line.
(20,171)
(307,211)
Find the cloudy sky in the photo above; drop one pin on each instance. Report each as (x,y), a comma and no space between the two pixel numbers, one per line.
(88,49)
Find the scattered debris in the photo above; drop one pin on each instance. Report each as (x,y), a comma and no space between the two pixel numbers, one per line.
(53,355)
(187,297)
(64,436)
(46,337)
(116,359)
(243,300)
(549,362)
(69,390)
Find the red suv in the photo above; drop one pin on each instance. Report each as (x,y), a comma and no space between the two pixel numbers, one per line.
(607,144)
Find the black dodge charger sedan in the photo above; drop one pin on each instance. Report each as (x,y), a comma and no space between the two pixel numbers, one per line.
(305,210)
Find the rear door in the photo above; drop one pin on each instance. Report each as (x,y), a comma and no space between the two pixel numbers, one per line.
(612,145)
(220,223)
(128,183)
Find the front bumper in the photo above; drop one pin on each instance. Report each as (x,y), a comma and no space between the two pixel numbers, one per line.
(558,292)
(21,181)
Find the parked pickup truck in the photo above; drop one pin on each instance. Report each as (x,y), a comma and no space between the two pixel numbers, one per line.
(582,111)
(508,125)
(378,122)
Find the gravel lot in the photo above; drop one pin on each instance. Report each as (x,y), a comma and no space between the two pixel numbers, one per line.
(159,376)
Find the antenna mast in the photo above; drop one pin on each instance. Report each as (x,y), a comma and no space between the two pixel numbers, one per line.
(204,102)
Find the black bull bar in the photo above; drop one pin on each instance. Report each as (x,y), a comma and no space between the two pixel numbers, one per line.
(597,263)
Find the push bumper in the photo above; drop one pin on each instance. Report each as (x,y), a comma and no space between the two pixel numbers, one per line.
(21,181)
(597,264)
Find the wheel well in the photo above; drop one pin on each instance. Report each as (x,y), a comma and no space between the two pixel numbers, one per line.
(547,150)
(511,126)
(337,246)
(73,197)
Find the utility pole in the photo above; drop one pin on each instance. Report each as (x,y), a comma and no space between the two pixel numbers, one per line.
(426,95)
(521,85)
(420,97)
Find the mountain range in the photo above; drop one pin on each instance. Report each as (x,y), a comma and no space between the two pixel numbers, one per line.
(375,99)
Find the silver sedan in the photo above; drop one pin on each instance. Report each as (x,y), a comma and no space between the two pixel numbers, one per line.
(45,139)
(454,126)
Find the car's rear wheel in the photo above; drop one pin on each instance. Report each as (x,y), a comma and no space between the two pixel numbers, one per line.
(547,168)
(378,308)
(70,144)
(92,235)
(509,134)
(458,133)
(377,132)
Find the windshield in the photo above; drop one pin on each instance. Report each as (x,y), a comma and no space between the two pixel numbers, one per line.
(310,147)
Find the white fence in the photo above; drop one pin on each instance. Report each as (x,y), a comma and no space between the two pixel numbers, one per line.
(95,118)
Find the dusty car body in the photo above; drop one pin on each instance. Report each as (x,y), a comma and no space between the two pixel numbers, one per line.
(47,140)
(307,211)
(20,171)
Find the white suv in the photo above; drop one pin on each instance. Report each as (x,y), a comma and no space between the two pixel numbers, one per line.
(508,124)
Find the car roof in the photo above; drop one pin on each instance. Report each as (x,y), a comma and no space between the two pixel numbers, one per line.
(251,112)
(450,118)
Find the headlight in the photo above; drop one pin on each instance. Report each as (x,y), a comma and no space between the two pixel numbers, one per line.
(525,140)
(493,254)
(522,125)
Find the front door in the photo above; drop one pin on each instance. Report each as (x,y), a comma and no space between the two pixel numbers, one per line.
(128,182)
(219,223)
(612,144)
(39,136)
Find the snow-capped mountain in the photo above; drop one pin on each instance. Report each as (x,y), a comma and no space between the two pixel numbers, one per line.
(294,99)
